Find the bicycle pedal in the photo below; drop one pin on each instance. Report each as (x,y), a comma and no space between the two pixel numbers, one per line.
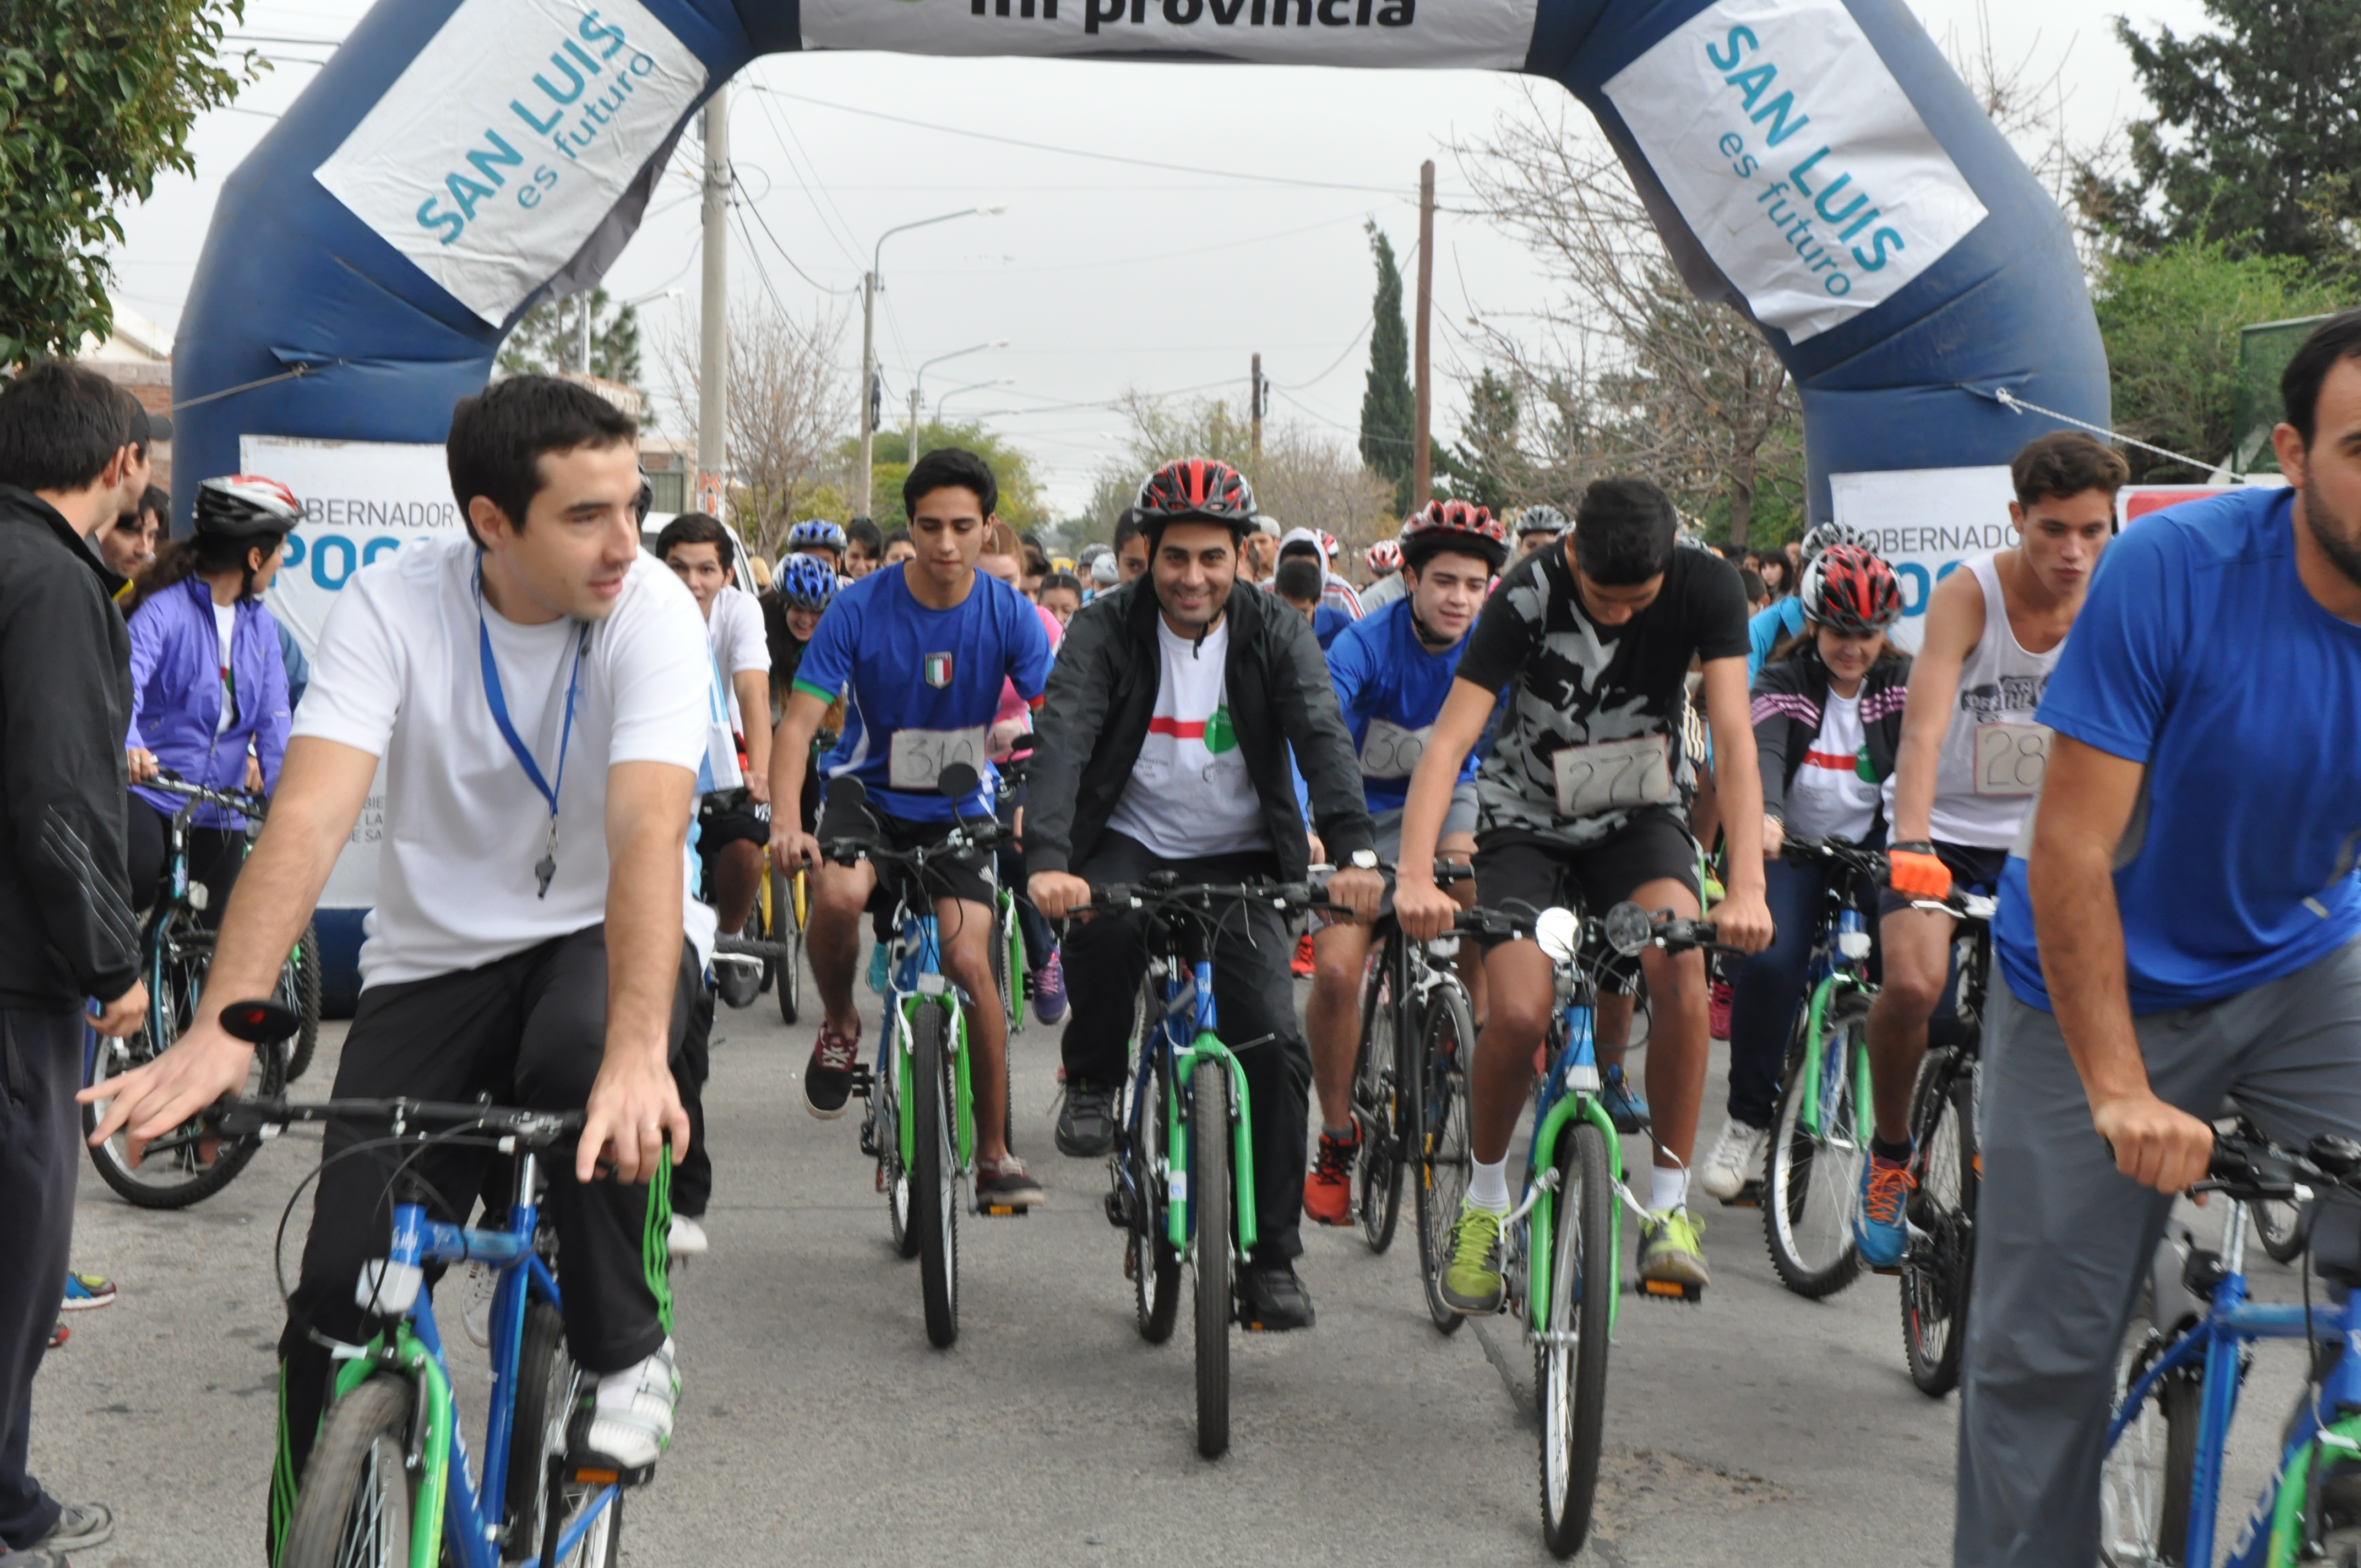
(1001,1210)
(1749,1197)
(1892,1272)
(1670,1291)
(865,1080)
(595,1469)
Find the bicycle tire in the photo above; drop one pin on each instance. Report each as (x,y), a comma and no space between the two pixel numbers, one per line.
(1570,1380)
(1378,1093)
(355,1508)
(1154,1264)
(1936,1273)
(892,1179)
(1210,1203)
(1445,1155)
(307,983)
(2284,1229)
(1811,1245)
(934,1174)
(2146,1479)
(547,1385)
(1007,975)
(788,932)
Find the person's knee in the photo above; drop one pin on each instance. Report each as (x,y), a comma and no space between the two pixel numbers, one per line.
(1336,966)
(1521,1016)
(1910,990)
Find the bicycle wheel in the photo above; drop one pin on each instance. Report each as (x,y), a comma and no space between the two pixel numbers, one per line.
(547,1387)
(303,995)
(1814,1183)
(1570,1353)
(1210,1203)
(353,1511)
(934,1173)
(1378,1093)
(1444,1155)
(191,1163)
(885,1131)
(787,930)
(2143,1484)
(1935,1274)
(2283,1228)
(1007,965)
(1150,1257)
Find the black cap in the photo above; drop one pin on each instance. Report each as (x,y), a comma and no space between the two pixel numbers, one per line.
(159,426)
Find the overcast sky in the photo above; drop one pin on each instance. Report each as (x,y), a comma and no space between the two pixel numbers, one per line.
(1103,274)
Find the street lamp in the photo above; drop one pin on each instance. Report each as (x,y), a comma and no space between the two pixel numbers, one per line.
(918,378)
(971,387)
(870,284)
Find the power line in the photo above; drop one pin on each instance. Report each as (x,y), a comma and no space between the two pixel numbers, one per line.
(1131,261)
(749,207)
(1339,359)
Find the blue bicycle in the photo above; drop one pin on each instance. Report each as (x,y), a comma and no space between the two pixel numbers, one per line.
(390,1481)
(2185,1358)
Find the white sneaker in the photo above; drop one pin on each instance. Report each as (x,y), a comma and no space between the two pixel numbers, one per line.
(631,1422)
(686,1239)
(1735,1159)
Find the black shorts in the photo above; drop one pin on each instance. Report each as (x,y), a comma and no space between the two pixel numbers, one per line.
(945,878)
(1973,867)
(728,818)
(1520,872)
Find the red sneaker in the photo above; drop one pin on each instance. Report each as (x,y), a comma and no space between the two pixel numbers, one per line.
(1328,1190)
(1301,966)
(1717,1010)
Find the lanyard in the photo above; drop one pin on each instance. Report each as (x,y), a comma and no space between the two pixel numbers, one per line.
(546,867)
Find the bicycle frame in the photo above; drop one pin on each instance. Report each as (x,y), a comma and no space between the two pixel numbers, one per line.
(1568,1094)
(1181,1038)
(918,981)
(450,1502)
(1834,974)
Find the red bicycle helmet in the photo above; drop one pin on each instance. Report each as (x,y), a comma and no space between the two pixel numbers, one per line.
(1848,587)
(1384,556)
(1454,525)
(1196,489)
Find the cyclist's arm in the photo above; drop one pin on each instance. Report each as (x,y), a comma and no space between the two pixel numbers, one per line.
(635,1100)
(754,693)
(1743,916)
(2086,801)
(791,746)
(278,715)
(1457,727)
(1955,624)
(319,798)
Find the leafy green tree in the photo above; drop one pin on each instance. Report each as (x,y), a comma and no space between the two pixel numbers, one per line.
(97,97)
(1389,410)
(548,339)
(1485,465)
(2256,134)
(1022,506)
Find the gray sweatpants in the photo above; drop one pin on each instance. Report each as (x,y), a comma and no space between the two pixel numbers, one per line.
(2064,1239)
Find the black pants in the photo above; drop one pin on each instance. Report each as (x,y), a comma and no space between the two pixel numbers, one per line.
(692,1182)
(41,1068)
(1254,997)
(1039,943)
(530,1030)
(214,856)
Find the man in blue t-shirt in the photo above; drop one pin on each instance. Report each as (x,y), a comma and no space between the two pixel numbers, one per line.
(920,652)
(1392,671)
(2178,926)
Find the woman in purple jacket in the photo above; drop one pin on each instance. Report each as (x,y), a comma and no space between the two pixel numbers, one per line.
(208,685)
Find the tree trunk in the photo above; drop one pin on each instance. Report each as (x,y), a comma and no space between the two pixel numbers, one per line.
(1741,498)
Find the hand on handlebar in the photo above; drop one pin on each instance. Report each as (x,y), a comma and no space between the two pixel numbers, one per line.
(1423,910)
(634,1102)
(1774,836)
(1360,891)
(1917,870)
(2155,1144)
(142,763)
(1057,893)
(791,846)
(1743,921)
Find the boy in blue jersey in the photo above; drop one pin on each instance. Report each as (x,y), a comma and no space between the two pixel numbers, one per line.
(2180,924)
(920,652)
(1392,671)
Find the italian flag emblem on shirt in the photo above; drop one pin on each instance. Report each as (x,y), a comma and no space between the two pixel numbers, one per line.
(939,670)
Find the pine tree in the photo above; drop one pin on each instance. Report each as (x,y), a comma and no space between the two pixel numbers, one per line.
(1388,409)
(1485,465)
(549,339)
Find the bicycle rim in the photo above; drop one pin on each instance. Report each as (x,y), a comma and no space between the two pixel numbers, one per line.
(893,1180)
(1935,1272)
(1209,1203)
(355,1509)
(1377,1105)
(1445,1157)
(2144,1482)
(786,929)
(1814,1187)
(1570,1353)
(306,999)
(1154,1265)
(934,1180)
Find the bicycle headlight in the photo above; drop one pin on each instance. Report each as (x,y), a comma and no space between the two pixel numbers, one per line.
(1559,931)
(1628,928)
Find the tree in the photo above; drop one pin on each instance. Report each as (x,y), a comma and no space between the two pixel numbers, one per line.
(2257,131)
(1021,505)
(1485,465)
(95,99)
(1306,478)
(788,398)
(1389,410)
(548,339)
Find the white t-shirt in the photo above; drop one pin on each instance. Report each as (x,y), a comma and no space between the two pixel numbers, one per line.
(1828,798)
(740,642)
(1188,793)
(226,626)
(398,674)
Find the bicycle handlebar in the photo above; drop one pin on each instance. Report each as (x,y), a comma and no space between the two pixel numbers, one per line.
(1119,896)
(1665,930)
(170,783)
(2250,1167)
(531,1129)
(1874,865)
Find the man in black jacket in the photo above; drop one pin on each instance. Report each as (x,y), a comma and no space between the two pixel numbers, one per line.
(73,457)
(1162,744)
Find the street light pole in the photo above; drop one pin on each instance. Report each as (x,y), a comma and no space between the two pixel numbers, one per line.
(870,285)
(971,386)
(713,339)
(919,379)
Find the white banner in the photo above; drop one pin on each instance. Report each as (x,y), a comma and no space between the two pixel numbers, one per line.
(1489,34)
(1799,163)
(362,499)
(499,150)
(1924,521)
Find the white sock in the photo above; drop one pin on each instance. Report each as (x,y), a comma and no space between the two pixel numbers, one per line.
(1489,1189)
(1668,1188)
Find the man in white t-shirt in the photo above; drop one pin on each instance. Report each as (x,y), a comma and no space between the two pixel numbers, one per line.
(537,697)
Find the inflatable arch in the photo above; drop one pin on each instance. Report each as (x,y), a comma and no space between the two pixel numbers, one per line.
(1814,162)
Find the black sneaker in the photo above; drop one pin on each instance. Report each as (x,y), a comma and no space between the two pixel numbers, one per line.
(738,977)
(1086,1125)
(1005,1187)
(1271,1299)
(828,1076)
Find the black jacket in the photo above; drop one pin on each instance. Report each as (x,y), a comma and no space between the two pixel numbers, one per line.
(1103,693)
(1789,700)
(66,924)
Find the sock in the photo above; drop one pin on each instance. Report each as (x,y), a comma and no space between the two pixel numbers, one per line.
(1897,1153)
(1343,1134)
(1668,1188)
(1490,1186)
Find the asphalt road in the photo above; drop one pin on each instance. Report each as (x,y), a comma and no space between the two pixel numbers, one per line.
(818,1426)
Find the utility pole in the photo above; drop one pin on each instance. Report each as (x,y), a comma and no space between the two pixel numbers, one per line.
(585,333)
(1254,403)
(1421,479)
(713,339)
(868,385)
(912,453)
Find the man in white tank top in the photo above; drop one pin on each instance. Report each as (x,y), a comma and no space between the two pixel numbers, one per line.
(1970,765)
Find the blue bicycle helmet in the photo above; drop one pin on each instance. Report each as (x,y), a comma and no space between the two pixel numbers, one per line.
(804,582)
(816,532)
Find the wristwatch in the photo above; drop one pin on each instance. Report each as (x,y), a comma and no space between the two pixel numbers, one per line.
(1363,859)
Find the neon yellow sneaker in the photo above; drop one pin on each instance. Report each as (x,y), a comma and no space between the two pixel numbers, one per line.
(1471,1282)
(1672,1256)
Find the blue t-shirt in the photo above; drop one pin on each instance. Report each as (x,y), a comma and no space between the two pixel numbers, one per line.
(921,682)
(1780,618)
(1385,675)
(2201,655)
(1328,623)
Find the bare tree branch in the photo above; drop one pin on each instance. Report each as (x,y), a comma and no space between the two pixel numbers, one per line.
(789,403)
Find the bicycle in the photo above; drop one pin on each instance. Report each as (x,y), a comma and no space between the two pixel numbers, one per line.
(2184,1360)
(1181,1171)
(194,1161)
(1947,1158)
(1562,1242)
(1009,970)
(922,1058)
(778,948)
(389,1480)
(1405,984)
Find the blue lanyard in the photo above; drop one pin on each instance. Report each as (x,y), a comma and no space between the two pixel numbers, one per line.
(546,867)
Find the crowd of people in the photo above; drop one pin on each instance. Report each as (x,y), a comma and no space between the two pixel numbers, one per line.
(591,746)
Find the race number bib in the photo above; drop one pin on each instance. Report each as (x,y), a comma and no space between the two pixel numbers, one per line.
(1389,751)
(2011,759)
(920,756)
(1613,776)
